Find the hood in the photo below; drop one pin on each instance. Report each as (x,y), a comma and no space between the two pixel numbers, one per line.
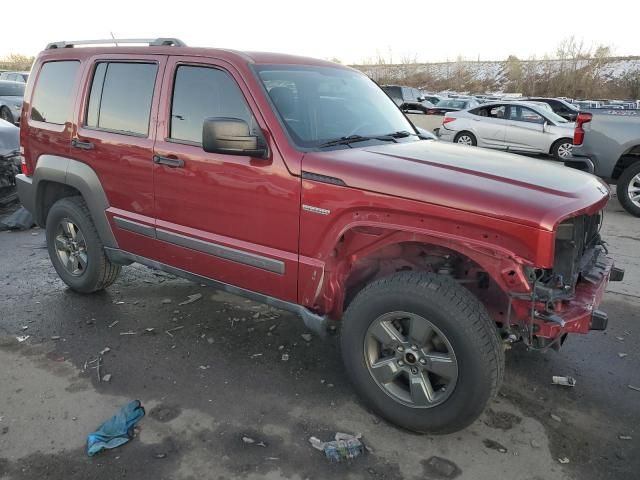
(537,193)
(9,138)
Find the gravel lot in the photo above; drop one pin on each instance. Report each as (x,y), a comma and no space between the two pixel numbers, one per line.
(222,376)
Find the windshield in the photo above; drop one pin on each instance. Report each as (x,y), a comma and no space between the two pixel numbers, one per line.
(11,89)
(461,104)
(318,105)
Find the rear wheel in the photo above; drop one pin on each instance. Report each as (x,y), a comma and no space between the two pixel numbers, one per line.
(466,138)
(628,189)
(75,249)
(5,114)
(422,352)
(562,149)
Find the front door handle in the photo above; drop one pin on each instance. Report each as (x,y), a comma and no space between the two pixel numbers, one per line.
(169,162)
(82,145)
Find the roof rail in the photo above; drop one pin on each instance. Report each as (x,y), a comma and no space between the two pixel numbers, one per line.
(152,42)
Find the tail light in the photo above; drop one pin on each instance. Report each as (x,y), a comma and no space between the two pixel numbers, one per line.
(446,120)
(24,167)
(578,133)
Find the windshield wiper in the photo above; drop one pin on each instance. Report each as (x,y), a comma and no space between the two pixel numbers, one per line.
(357,138)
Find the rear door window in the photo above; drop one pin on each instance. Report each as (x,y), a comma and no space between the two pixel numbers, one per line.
(203,92)
(53,96)
(121,96)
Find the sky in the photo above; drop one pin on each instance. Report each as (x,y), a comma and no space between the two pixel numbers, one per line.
(352,31)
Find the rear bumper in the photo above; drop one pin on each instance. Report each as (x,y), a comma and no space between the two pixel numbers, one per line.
(579,314)
(26,192)
(446,135)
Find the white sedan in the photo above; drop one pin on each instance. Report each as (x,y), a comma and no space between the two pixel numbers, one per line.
(513,126)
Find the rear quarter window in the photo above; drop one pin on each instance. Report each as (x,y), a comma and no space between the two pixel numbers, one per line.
(53,95)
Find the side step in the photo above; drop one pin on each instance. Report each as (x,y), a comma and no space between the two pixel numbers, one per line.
(314,322)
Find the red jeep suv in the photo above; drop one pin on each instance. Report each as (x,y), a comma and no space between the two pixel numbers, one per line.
(299,183)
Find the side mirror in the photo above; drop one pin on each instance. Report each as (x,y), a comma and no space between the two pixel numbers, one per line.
(231,136)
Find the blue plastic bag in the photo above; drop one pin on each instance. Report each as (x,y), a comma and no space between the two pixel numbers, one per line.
(116,431)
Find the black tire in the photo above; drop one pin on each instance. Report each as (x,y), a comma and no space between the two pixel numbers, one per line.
(622,188)
(471,136)
(559,146)
(459,316)
(99,272)
(5,114)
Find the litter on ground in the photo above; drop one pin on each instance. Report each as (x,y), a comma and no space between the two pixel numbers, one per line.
(116,431)
(344,447)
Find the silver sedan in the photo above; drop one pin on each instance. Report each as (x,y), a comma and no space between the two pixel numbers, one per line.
(513,126)
(11,94)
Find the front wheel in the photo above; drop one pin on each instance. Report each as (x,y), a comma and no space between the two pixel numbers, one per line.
(422,352)
(75,249)
(466,138)
(628,189)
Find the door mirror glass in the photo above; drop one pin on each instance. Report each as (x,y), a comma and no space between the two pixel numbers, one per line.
(231,136)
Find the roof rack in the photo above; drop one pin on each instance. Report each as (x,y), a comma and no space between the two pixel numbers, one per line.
(152,42)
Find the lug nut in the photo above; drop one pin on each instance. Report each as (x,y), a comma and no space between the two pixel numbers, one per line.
(414,370)
(423,361)
(400,363)
(400,348)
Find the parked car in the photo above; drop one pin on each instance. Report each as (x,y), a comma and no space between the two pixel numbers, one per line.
(429,97)
(561,107)
(452,105)
(21,77)
(11,94)
(407,98)
(607,144)
(9,160)
(514,126)
(586,104)
(299,183)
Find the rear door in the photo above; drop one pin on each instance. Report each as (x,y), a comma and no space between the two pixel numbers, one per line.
(227,217)
(115,137)
(489,126)
(525,130)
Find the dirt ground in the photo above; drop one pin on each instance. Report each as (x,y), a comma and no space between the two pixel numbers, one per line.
(222,377)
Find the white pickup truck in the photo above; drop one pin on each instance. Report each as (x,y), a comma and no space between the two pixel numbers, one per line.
(607,144)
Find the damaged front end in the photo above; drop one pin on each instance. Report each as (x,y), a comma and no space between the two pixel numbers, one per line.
(565,298)
(9,168)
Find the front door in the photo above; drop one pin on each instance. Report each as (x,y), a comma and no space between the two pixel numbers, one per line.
(231,218)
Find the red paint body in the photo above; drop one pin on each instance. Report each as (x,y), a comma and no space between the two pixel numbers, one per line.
(496,211)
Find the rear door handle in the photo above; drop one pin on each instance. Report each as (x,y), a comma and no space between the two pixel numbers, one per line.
(169,162)
(82,145)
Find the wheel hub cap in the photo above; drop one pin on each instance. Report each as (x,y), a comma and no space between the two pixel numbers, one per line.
(71,247)
(634,190)
(410,359)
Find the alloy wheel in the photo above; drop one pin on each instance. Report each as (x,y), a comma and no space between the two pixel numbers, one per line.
(465,140)
(634,190)
(565,150)
(410,359)
(71,247)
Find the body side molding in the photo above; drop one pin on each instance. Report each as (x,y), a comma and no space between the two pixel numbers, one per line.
(314,322)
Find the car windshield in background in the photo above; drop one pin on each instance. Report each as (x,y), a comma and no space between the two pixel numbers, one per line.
(461,104)
(554,117)
(11,89)
(319,106)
